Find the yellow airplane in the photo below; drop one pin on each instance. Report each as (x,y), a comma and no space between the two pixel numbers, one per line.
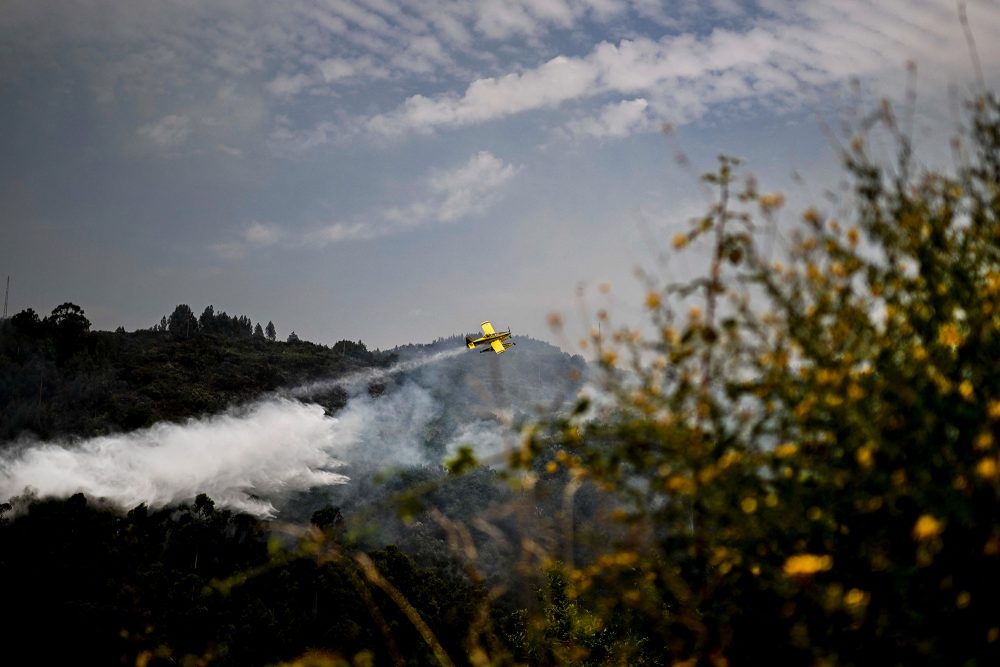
(496,340)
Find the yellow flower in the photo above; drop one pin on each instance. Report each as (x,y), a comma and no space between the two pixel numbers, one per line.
(852,235)
(771,202)
(994,410)
(786,450)
(551,467)
(991,285)
(804,565)
(965,389)
(926,528)
(985,440)
(653,300)
(680,484)
(729,457)
(680,240)
(855,598)
(626,558)
(865,457)
(949,335)
(748,505)
(813,272)
(987,468)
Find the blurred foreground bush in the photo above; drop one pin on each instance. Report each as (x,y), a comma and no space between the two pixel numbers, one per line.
(800,463)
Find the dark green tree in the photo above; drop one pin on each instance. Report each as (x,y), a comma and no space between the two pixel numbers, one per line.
(68,327)
(258,332)
(328,518)
(27,324)
(182,323)
(293,338)
(69,319)
(207,320)
(244,327)
(271,332)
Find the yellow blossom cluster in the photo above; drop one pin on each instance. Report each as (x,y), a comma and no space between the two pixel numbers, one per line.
(927,527)
(804,565)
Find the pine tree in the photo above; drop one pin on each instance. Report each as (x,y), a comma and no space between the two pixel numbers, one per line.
(271,332)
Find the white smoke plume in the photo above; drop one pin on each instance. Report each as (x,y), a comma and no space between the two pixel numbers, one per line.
(355,382)
(239,459)
(245,459)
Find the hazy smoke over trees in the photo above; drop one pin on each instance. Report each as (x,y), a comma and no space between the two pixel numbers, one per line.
(253,457)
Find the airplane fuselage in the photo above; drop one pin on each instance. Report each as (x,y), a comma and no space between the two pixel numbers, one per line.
(486,340)
(491,338)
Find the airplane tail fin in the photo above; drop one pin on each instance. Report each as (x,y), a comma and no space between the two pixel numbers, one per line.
(469,343)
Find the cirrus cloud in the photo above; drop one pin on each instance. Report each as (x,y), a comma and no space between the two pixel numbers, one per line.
(458,193)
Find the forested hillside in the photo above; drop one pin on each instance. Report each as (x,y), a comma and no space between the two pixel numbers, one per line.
(59,378)
(193,583)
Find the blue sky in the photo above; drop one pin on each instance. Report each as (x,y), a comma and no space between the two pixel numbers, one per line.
(395,172)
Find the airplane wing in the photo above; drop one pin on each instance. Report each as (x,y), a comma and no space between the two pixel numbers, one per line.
(488,329)
(497,346)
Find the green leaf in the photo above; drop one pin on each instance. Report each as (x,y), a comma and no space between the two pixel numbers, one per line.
(462,462)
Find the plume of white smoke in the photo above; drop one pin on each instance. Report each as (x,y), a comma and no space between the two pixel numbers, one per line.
(245,459)
(354,383)
(490,440)
(240,459)
(387,432)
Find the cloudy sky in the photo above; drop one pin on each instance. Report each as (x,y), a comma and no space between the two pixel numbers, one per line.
(398,171)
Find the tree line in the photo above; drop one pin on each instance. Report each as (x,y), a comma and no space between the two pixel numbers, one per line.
(60,377)
(182,323)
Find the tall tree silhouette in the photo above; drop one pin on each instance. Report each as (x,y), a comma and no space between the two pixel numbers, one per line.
(182,323)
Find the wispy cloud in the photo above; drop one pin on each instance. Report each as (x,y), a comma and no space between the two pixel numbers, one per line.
(493,59)
(614,120)
(330,72)
(783,55)
(465,191)
(168,132)
(549,85)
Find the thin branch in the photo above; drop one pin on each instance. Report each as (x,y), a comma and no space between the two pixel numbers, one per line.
(970,41)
